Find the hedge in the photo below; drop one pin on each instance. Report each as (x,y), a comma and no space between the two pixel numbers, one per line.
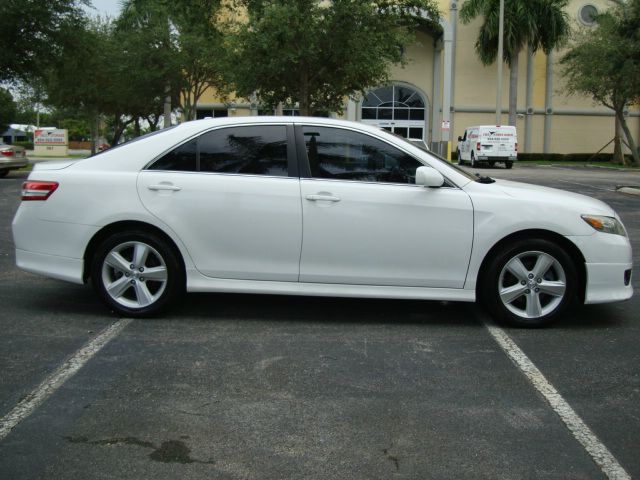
(27,145)
(560,157)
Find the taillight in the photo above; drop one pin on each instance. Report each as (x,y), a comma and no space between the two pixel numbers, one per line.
(7,153)
(478,146)
(35,190)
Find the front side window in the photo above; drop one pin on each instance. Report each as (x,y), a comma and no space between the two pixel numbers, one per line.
(256,150)
(346,155)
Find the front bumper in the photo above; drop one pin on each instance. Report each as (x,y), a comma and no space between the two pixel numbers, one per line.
(606,282)
(608,261)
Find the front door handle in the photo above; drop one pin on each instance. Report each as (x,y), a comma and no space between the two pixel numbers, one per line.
(164,186)
(322,198)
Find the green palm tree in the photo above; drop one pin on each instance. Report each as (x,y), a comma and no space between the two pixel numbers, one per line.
(538,24)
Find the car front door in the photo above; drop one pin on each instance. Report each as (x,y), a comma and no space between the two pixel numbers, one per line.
(367,223)
(229,196)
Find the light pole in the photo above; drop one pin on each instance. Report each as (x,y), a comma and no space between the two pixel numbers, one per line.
(500,50)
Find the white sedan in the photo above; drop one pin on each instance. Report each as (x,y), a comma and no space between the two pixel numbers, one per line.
(309,206)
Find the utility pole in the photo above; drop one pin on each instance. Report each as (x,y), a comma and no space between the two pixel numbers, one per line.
(500,50)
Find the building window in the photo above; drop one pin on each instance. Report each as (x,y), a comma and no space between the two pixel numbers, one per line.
(399,109)
(211,113)
(587,14)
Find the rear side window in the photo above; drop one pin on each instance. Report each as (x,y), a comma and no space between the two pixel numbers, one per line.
(182,158)
(260,150)
(256,150)
(347,155)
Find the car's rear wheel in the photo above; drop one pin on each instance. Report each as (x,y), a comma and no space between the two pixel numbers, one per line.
(530,283)
(508,164)
(136,273)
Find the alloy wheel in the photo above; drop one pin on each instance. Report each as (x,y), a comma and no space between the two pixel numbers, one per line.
(134,274)
(532,284)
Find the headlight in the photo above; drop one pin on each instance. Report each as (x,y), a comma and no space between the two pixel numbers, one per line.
(605,224)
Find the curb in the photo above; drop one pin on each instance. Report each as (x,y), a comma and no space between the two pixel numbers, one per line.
(628,189)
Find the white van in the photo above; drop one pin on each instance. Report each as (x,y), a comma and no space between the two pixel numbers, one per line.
(490,144)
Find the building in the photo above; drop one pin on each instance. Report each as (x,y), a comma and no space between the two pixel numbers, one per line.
(445,88)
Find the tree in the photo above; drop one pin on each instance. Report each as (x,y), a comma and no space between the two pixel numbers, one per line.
(7,109)
(80,78)
(316,53)
(604,62)
(31,33)
(185,41)
(539,24)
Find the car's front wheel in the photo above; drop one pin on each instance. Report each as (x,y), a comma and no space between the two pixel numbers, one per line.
(136,273)
(530,283)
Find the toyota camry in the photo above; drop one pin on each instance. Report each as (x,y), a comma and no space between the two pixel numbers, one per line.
(312,206)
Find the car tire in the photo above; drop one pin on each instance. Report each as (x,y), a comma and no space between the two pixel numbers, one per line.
(473,160)
(460,162)
(508,164)
(137,273)
(529,283)
(3,173)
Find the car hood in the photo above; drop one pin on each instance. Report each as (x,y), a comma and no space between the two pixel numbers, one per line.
(569,200)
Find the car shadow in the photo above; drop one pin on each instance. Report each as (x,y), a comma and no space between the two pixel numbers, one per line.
(287,308)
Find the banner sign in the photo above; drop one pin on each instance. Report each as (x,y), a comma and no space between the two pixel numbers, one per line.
(50,137)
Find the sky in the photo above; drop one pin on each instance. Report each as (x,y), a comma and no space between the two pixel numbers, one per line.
(104,7)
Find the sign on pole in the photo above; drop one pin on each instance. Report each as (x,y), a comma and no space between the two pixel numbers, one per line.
(51,142)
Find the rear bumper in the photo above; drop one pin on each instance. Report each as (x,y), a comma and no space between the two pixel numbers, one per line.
(485,158)
(13,163)
(62,268)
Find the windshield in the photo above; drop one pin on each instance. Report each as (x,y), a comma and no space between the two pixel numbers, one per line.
(441,159)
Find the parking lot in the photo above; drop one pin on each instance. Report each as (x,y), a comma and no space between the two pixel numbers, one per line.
(260,387)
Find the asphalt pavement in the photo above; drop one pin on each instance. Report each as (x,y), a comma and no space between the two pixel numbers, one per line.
(272,387)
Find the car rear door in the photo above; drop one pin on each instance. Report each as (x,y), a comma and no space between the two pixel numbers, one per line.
(232,195)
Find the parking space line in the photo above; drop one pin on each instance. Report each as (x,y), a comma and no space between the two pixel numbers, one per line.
(54,381)
(596,449)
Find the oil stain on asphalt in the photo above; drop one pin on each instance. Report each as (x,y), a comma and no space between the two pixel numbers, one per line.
(171,451)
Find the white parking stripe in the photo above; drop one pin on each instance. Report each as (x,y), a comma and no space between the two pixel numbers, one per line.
(600,454)
(54,381)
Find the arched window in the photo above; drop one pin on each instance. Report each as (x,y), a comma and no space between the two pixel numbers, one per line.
(397,108)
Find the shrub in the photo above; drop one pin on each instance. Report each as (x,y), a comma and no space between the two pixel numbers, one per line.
(27,145)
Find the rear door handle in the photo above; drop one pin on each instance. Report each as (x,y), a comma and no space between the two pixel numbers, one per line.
(323,198)
(164,186)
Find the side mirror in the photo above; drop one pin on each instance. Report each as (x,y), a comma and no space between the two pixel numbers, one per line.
(459,139)
(429,177)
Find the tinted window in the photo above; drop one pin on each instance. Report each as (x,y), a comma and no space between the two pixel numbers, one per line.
(260,150)
(182,158)
(347,155)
